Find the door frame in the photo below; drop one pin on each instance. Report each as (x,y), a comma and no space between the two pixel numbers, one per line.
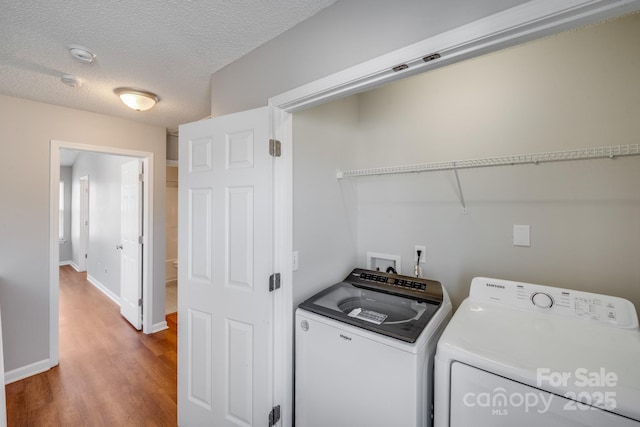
(147,159)
(520,24)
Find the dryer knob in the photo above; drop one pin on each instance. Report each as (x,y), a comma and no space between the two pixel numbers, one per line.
(542,300)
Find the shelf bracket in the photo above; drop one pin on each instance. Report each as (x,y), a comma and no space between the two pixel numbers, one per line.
(455,171)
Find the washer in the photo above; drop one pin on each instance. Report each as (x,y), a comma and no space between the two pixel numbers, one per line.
(520,354)
(364,351)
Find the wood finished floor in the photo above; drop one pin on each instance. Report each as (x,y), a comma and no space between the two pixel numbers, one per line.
(109,373)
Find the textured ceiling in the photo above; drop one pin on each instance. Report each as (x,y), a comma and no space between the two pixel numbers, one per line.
(170,47)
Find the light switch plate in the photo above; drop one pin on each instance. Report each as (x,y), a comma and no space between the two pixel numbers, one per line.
(522,235)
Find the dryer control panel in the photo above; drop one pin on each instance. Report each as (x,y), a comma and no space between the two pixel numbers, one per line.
(606,309)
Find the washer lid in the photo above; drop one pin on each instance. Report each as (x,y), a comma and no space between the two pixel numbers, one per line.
(392,315)
(566,354)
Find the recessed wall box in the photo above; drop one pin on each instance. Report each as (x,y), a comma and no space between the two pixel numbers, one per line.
(380,262)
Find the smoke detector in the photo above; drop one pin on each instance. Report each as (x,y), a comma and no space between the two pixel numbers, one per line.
(81,53)
(71,81)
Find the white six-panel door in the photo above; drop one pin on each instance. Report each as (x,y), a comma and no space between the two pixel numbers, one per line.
(225,327)
(130,246)
(84,223)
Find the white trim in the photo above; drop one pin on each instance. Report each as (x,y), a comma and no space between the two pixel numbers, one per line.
(102,288)
(147,253)
(519,24)
(172,163)
(62,263)
(161,326)
(54,250)
(172,277)
(281,128)
(54,258)
(75,266)
(3,394)
(27,371)
(522,23)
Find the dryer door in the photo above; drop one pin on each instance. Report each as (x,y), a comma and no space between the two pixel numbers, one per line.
(480,398)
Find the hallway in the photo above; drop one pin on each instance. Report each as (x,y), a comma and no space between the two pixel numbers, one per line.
(109,373)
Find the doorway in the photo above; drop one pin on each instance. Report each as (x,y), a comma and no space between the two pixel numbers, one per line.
(146,158)
(171,221)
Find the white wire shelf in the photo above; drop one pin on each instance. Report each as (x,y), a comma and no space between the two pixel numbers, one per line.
(545,157)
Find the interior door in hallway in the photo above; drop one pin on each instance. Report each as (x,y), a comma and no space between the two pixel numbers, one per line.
(84,224)
(131,244)
(225,251)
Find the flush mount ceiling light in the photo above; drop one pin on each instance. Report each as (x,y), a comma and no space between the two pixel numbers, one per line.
(71,81)
(136,99)
(81,53)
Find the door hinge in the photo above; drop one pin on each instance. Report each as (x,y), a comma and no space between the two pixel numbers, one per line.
(140,239)
(275,148)
(139,302)
(274,282)
(141,177)
(274,416)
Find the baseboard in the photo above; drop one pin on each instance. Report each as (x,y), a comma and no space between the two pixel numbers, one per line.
(27,371)
(171,272)
(75,266)
(95,282)
(157,327)
(65,263)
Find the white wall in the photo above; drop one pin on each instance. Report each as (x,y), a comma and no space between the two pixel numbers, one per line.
(573,90)
(26,128)
(346,33)
(324,210)
(65,248)
(104,172)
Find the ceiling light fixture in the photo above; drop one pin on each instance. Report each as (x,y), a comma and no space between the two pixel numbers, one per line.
(71,81)
(136,99)
(81,53)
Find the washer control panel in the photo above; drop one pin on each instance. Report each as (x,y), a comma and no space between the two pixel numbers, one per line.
(606,309)
(413,287)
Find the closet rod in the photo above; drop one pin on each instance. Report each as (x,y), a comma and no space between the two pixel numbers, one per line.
(552,156)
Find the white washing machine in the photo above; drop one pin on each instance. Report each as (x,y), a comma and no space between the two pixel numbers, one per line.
(519,354)
(364,351)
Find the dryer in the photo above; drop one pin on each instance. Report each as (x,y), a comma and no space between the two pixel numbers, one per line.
(364,351)
(521,354)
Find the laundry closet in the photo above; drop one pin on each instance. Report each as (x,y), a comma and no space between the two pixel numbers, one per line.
(563,93)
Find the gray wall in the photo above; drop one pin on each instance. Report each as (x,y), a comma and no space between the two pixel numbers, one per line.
(346,33)
(65,247)
(172,147)
(26,128)
(324,210)
(544,96)
(104,171)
